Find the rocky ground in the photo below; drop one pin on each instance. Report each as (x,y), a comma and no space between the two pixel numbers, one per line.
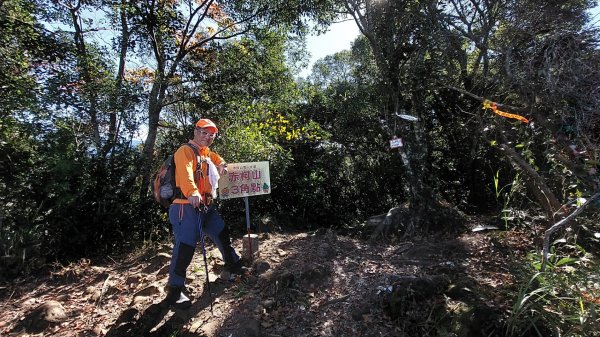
(301,284)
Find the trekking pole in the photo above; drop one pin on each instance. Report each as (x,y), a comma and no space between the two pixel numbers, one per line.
(205,263)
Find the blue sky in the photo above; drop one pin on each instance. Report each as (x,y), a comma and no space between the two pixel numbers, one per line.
(339,37)
(595,16)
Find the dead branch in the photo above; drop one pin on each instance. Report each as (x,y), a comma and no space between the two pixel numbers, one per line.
(561,223)
(103,291)
(481,99)
(336,300)
(383,222)
(546,199)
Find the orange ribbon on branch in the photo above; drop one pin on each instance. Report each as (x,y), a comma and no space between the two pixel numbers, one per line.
(487,104)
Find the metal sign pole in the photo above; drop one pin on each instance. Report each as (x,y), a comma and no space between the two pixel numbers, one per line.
(248,226)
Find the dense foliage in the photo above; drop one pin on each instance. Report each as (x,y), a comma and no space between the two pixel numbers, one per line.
(82,80)
(94,94)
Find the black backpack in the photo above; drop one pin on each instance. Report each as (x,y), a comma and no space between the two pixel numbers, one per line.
(163,187)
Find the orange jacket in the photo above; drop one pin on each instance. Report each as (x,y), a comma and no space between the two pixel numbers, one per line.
(185,165)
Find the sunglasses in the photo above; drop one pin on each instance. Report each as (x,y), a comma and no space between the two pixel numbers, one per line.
(207,134)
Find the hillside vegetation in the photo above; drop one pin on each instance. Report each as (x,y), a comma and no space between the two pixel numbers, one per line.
(495,102)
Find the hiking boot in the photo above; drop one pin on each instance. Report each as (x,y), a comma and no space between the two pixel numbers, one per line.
(176,298)
(232,271)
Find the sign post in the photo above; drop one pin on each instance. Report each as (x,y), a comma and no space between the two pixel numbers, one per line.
(245,180)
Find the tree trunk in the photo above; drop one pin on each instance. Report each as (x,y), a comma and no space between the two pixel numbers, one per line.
(117,101)
(400,57)
(154,108)
(535,184)
(421,199)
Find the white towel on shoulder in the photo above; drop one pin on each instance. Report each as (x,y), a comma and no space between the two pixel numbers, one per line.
(213,177)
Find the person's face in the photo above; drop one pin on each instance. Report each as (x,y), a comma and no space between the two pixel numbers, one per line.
(204,136)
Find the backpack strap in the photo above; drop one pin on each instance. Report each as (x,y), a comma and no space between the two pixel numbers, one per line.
(196,152)
(178,194)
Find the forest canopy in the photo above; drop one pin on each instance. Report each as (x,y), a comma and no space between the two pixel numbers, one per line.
(498,111)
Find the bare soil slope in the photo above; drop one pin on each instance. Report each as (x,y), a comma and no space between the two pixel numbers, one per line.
(302,284)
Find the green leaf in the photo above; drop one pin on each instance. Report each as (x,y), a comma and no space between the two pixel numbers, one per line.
(566,260)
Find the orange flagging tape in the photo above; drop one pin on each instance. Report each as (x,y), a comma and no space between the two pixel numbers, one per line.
(487,104)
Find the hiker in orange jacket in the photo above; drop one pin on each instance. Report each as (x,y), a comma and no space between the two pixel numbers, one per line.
(194,207)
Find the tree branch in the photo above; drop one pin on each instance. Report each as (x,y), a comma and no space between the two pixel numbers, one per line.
(561,223)
(481,99)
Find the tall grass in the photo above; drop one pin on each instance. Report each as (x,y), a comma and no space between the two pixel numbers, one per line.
(562,301)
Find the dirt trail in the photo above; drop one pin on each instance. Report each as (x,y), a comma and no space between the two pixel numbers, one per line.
(304,284)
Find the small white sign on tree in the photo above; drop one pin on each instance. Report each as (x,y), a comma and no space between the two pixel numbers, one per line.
(396,143)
